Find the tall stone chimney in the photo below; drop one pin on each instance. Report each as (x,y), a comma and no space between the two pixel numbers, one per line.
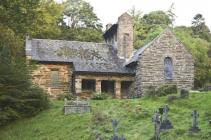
(125,36)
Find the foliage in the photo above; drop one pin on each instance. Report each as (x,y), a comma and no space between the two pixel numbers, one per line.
(81,34)
(151,91)
(18,97)
(184,93)
(162,90)
(80,14)
(148,26)
(171,98)
(99,96)
(200,28)
(167,89)
(199,49)
(67,95)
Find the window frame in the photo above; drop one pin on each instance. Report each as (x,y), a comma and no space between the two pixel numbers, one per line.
(168,68)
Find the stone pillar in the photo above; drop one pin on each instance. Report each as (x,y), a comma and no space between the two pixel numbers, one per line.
(78,85)
(98,86)
(118,89)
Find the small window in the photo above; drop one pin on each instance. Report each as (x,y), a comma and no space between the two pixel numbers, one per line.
(168,68)
(88,85)
(54,78)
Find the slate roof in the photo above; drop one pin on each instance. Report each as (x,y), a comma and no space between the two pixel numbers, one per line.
(136,55)
(111,31)
(85,56)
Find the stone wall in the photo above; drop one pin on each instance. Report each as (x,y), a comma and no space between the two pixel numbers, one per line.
(42,77)
(150,68)
(125,36)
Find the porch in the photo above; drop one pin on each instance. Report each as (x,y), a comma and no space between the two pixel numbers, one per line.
(116,86)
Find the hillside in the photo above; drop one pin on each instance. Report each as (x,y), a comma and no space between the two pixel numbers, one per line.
(134,117)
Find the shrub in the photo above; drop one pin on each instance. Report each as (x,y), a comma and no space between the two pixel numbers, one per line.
(171,98)
(99,96)
(151,91)
(166,90)
(163,90)
(184,93)
(66,95)
(25,104)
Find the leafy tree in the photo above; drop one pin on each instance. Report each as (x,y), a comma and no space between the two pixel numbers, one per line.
(18,97)
(199,27)
(148,26)
(171,14)
(80,14)
(199,48)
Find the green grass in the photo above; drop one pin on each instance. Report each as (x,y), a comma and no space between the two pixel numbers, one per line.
(134,117)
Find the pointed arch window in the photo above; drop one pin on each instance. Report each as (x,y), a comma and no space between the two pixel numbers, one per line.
(168,68)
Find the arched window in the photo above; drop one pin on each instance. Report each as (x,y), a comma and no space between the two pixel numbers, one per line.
(168,68)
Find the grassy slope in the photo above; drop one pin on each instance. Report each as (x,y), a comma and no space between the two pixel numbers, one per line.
(134,116)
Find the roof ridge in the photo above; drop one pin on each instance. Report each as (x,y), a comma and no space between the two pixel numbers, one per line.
(71,41)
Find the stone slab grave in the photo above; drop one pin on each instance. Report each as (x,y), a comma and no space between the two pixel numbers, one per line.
(77,106)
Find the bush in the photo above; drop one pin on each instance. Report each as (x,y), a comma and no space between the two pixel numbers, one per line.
(171,98)
(66,95)
(184,93)
(26,104)
(163,90)
(99,96)
(166,90)
(151,91)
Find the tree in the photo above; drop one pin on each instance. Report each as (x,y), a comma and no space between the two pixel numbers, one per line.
(199,49)
(148,26)
(171,14)
(80,14)
(200,28)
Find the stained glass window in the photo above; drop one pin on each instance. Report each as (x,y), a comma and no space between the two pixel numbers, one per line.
(168,68)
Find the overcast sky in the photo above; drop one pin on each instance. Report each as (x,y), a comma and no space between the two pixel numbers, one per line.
(109,10)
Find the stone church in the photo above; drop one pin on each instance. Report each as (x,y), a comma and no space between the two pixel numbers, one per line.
(113,67)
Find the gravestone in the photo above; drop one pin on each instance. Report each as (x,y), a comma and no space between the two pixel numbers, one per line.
(194,128)
(76,106)
(114,126)
(156,119)
(165,124)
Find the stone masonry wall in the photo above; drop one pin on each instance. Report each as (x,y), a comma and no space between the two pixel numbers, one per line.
(150,68)
(42,78)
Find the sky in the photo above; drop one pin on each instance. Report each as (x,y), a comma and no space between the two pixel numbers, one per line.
(109,10)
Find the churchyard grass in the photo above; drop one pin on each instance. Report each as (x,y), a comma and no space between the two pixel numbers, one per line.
(134,116)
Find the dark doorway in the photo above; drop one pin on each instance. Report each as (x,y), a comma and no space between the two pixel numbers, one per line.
(88,86)
(107,87)
(125,88)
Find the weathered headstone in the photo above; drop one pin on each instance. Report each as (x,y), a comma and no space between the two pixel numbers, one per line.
(114,126)
(165,124)
(194,128)
(184,93)
(156,119)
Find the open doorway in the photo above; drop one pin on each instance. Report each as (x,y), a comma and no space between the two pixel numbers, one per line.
(125,88)
(107,87)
